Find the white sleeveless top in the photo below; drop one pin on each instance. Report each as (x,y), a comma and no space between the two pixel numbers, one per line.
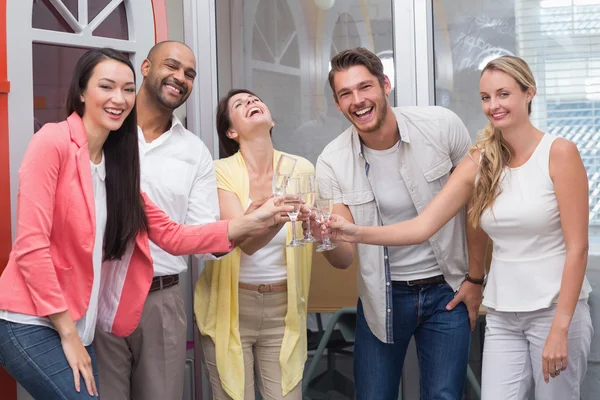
(529,247)
(266,265)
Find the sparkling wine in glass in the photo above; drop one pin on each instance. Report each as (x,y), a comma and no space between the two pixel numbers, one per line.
(283,172)
(325,208)
(293,197)
(308,188)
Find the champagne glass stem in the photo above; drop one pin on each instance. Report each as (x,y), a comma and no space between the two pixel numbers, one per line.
(293,230)
(326,241)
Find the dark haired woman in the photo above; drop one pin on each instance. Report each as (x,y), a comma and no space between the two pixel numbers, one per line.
(250,304)
(81,256)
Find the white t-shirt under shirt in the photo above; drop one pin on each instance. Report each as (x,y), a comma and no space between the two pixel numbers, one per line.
(266,265)
(395,204)
(86,326)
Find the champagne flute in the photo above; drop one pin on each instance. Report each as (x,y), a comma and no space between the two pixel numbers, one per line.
(325,208)
(283,172)
(292,198)
(308,188)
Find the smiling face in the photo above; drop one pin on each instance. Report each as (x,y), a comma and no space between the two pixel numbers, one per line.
(109,95)
(504,102)
(246,113)
(361,98)
(169,74)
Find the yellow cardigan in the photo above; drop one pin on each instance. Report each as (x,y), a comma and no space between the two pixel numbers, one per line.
(216,303)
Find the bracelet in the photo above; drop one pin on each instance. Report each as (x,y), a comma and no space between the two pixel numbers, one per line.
(475,281)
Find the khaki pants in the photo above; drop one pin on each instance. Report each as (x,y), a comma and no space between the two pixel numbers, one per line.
(150,363)
(262,324)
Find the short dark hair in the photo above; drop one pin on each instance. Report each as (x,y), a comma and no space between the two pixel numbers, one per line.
(228,146)
(124,207)
(353,57)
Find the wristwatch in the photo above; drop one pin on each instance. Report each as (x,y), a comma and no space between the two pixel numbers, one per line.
(476,281)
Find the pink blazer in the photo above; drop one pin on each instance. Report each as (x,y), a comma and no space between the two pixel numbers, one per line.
(50,266)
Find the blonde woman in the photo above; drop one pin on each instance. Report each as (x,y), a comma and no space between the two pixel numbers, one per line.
(528,191)
(250,304)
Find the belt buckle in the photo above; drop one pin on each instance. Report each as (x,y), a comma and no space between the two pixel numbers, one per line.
(412,283)
(261,288)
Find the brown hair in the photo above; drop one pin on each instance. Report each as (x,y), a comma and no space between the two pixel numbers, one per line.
(496,153)
(353,57)
(228,146)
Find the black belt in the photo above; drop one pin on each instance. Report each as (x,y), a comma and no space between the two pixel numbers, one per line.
(163,282)
(434,280)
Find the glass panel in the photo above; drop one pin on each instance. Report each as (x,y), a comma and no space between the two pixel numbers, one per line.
(115,25)
(52,74)
(345,34)
(95,6)
(291,58)
(283,50)
(46,17)
(560,39)
(260,48)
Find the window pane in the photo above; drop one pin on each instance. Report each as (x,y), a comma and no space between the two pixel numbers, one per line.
(283,50)
(52,74)
(45,16)
(115,25)
(95,6)
(561,42)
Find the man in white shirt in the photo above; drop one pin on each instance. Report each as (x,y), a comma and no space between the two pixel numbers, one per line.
(177,173)
(384,169)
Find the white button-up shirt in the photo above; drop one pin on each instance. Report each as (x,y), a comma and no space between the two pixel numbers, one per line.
(178,175)
(433,141)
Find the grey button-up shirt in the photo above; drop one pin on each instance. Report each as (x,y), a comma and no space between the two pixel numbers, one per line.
(433,141)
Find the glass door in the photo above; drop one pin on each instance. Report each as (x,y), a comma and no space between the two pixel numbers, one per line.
(281,50)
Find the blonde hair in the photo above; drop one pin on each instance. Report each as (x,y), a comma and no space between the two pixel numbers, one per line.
(496,153)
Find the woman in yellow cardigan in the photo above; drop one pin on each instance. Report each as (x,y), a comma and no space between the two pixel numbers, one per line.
(249,304)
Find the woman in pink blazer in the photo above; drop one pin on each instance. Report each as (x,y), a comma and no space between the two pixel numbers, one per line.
(81,255)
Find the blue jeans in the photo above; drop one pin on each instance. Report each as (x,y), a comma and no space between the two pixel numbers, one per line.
(33,355)
(442,338)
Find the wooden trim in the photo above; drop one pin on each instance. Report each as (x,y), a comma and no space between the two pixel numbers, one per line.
(159,9)
(8,385)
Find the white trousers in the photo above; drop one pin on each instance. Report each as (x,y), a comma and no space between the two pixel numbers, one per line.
(512,355)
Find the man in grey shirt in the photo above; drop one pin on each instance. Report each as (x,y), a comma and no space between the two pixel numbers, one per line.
(384,169)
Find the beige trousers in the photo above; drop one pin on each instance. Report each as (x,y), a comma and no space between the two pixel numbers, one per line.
(262,324)
(150,363)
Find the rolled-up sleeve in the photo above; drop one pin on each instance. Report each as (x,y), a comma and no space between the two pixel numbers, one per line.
(324,173)
(459,140)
